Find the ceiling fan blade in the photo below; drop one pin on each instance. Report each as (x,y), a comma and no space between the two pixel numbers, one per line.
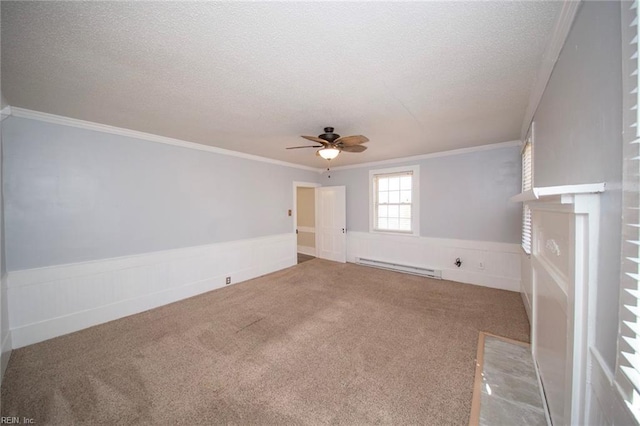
(353,148)
(352,140)
(305,146)
(315,139)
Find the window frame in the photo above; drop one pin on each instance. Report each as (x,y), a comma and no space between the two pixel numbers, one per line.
(415,200)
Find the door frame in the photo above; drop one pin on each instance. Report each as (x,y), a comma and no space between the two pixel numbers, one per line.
(296,185)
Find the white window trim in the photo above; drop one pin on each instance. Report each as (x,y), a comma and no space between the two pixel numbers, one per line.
(415,200)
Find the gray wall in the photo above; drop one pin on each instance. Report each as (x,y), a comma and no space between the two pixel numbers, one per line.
(74,195)
(461,196)
(578,127)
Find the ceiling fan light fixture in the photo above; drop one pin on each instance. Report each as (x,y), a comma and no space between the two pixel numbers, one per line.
(329,153)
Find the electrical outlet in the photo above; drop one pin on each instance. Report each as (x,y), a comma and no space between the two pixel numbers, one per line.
(228,280)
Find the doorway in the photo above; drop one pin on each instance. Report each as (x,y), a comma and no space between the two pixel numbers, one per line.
(304,220)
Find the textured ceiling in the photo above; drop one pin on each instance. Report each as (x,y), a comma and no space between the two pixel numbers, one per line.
(415,78)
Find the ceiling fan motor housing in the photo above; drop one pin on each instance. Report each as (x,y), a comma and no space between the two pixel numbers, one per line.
(328,135)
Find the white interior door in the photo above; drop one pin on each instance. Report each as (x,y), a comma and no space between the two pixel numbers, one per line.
(331,234)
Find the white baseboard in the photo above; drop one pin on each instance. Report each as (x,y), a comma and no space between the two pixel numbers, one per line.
(500,261)
(309,251)
(53,301)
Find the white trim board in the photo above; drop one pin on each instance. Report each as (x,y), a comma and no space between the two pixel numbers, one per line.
(460,151)
(88,125)
(500,261)
(549,59)
(53,301)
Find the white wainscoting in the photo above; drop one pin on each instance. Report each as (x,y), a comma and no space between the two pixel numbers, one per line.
(52,301)
(484,263)
(527,284)
(605,403)
(600,392)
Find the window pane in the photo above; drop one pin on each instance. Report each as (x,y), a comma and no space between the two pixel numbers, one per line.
(405,182)
(383,184)
(394,183)
(393,198)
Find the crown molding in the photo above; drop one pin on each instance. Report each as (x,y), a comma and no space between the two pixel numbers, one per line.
(552,52)
(432,155)
(88,125)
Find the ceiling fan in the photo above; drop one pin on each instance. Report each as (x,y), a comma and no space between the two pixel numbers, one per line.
(332,144)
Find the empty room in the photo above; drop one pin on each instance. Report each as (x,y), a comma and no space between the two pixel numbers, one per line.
(319,212)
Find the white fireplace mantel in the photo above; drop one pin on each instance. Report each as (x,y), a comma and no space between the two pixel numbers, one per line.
(558,191)
(563,268)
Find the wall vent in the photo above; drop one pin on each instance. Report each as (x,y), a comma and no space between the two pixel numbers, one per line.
(407,269)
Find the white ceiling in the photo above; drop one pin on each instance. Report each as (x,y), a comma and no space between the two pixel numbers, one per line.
(415,78)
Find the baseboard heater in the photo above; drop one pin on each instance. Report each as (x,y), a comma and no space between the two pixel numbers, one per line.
(408,269)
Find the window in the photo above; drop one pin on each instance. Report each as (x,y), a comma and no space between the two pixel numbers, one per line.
(394,200)
(628,363)
(527,185)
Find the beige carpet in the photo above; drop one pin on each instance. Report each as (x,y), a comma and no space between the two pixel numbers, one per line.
(316,343)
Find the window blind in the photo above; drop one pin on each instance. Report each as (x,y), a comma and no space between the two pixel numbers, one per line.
(628,363)
(526,186)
